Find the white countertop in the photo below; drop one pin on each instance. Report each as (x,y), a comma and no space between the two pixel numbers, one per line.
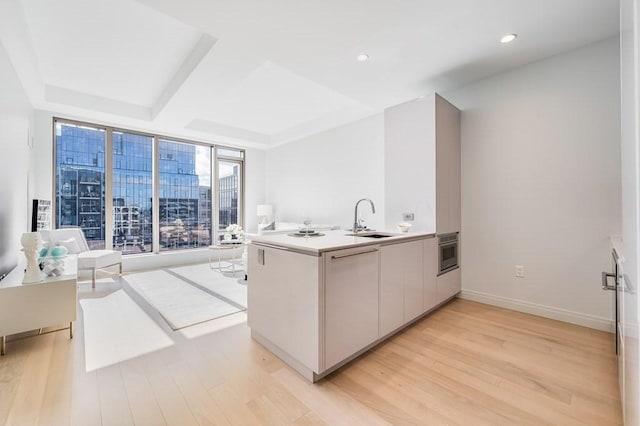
(334,240)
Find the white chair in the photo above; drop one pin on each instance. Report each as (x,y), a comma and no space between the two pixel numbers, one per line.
(73,239)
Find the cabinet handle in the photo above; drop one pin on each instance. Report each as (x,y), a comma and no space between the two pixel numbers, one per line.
(605,284)
(340,256)
(272,246)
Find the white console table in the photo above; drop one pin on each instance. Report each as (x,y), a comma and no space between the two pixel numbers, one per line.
(25,307)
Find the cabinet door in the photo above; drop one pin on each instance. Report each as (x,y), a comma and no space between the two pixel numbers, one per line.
(351,302)
(283,299)
(413,276)
(401,285)
(442,183)
(448,285)
(391,288)
(430,260)
(454,173)
(447,167)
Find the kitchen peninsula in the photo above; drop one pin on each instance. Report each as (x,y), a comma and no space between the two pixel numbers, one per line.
(317,302)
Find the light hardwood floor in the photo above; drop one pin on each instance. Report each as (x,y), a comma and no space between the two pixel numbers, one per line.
(466,363)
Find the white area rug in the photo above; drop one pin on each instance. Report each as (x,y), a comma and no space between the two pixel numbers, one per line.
(234,289)
(117,329)
(179,303)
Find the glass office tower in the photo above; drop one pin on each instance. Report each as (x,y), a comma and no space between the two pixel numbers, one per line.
(184,188)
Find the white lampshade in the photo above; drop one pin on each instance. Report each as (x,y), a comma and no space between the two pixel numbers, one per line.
(265,210)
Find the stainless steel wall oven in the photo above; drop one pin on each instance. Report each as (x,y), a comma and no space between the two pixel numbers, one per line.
(447,252)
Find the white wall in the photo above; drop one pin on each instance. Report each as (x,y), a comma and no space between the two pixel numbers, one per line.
(254,186)
(16,117)
(541,184)
(322,176)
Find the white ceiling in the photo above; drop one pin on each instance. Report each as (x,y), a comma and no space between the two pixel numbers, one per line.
(261,73)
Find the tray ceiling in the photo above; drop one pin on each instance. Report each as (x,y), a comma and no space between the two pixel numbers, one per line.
(260,73)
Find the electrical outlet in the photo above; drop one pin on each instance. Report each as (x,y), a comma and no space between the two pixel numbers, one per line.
(519,271)
(407,216)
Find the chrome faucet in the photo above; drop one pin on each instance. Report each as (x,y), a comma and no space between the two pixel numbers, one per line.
(356,226)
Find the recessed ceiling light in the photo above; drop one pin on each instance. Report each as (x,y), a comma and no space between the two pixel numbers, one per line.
(363,57)
(508,38)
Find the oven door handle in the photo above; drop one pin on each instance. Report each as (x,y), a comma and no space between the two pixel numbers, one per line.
(605,284)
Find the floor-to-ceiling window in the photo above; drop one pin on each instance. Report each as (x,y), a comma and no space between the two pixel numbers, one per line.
(80,180)
(117,200)
(132,192)
(184,195)
(230,172)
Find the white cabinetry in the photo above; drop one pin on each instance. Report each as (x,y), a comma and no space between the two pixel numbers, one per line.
(317,311)
(430,265)
(448,285)
(401,285)
(351,302)
(283,301)
(422,164)
(447,129)
(50,302)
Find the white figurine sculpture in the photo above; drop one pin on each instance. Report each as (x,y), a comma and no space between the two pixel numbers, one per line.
(31,243)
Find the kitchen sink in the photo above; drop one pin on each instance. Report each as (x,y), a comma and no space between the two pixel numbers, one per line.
(370,235)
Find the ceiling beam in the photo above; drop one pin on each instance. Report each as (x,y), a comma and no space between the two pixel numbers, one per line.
(60,95)
(198,53)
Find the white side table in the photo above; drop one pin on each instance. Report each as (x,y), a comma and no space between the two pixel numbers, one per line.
(227,252)
(25,307)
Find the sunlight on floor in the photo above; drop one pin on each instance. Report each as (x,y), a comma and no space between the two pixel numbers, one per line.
(214,325)
(117,329)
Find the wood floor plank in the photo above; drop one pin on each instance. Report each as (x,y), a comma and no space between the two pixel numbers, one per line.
(11,372)
(466,363)
(56,403)
(172,403)
(328,401)
(202,406)
(114,402)
(144,406)
(30,392)
(235,410)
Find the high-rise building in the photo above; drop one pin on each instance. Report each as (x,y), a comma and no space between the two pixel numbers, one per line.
(185,206)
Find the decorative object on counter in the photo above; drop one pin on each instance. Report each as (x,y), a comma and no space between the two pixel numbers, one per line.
(307,224)
(264,212)
(31,243)
(306,233)
(404,226)
(233,232)
(58,251)
(53,266)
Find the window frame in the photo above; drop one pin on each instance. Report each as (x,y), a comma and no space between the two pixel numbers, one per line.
(155,173)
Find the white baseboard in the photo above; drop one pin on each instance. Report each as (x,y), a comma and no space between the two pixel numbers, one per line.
(577,318)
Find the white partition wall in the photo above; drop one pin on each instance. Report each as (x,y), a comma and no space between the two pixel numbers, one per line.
(541,184)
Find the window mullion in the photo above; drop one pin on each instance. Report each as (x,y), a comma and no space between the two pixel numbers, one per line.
(108,190)
(155,168)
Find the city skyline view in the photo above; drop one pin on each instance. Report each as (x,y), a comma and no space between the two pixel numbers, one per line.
(184,191)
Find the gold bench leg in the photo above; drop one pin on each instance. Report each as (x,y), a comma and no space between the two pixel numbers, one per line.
(3,345)
(71,330)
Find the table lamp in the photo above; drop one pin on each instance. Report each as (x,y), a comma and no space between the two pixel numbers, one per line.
(264,212)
